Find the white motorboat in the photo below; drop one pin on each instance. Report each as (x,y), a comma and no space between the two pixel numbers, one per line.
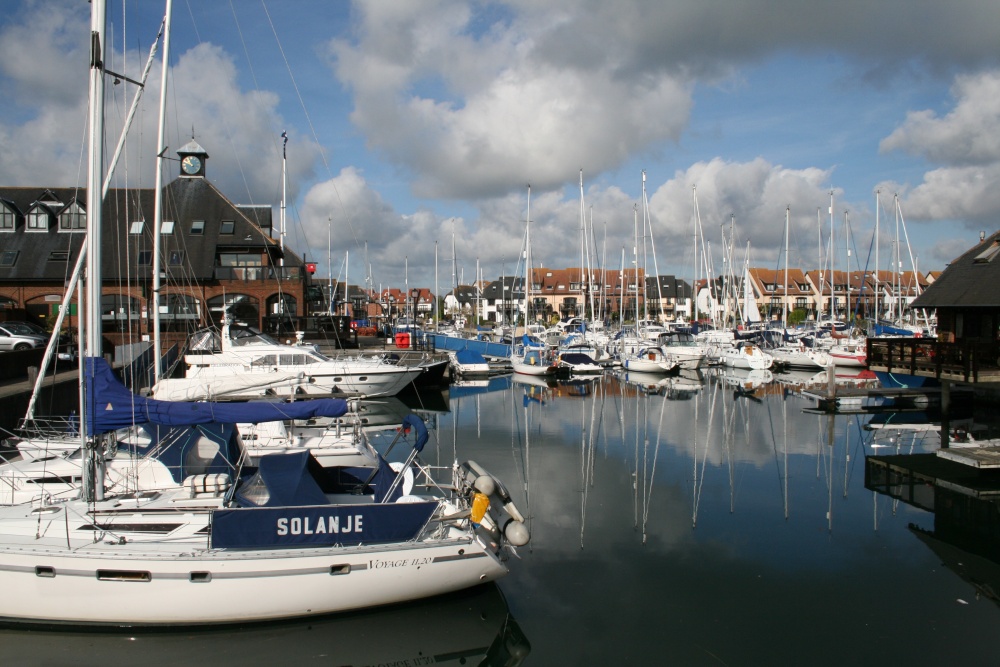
(746,356)
(241,362)
(649,360)
(578,363)
(469,364)
(687,351)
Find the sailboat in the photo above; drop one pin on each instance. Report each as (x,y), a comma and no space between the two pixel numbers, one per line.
(795,354)
(529,355)
(236,543)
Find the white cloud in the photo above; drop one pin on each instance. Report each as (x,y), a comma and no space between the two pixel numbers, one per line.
(968,135)
(966,141)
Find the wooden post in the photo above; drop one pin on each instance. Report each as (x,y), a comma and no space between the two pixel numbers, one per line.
(945,413)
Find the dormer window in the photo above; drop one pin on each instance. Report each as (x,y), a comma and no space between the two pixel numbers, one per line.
(73,218)
(167,227)
(136,227)
(8,257)
(227,226)
(197,227)
(8,218)
(38,218)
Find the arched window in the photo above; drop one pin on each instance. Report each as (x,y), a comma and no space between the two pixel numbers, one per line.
(243,309)
(118,312)
(7,303)
(179,312)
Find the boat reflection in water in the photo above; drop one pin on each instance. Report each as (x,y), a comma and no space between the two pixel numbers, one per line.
(470,627)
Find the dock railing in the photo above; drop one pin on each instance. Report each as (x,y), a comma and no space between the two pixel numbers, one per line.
(960,361)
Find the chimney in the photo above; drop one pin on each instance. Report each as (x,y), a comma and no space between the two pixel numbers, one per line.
(982,236)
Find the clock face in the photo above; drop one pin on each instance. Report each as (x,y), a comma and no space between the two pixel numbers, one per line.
(191,165)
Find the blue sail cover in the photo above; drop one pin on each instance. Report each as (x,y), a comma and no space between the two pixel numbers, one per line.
(111,406)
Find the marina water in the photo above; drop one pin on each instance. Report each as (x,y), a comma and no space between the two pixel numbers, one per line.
(694,520)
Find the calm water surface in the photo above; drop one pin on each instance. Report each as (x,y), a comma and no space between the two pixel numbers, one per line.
(698,521)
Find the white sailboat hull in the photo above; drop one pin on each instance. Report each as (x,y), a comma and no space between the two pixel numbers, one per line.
(54,570)
(92,585)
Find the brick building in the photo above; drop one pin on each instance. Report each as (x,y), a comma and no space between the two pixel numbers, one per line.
(215,254)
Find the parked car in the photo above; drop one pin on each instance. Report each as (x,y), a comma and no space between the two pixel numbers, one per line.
(18,336)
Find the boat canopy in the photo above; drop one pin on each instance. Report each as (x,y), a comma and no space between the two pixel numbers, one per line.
(469,357)
(111,406)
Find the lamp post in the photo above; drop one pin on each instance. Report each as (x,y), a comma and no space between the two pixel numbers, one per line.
(415,295)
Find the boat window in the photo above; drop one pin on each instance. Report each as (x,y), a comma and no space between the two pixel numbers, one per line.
(266,360)
(199,457)
(124,575)
(200,577)
(255,491)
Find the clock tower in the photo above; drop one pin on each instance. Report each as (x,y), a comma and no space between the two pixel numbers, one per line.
(193,158)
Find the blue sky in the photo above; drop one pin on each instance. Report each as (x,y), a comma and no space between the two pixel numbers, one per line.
(413,122)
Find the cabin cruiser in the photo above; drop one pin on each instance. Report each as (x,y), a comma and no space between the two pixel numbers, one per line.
(242,362)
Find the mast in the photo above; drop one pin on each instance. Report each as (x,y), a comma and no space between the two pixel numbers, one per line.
(847,242)
(583,240)
(329,263)
(527,261)
(784,301)
(877,202)
(93,486)
(158,200)
(284,188)
(437,314)
(697,264)
(833,278)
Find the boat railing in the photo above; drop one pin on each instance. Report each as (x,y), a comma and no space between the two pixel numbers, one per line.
(50,427)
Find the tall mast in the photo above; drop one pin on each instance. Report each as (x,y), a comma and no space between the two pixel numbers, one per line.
(284,188)
(93,487)
(329,263)
(583,240)
(876,281)
(161,148)
(527,260)
(833,283)
(784,301)
(847,286)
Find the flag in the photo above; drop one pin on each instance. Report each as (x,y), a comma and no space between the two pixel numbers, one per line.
(284,135)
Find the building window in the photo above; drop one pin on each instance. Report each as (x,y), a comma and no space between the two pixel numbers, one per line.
(8,257)
(136,227)
(145,257)
(59,256)
(198,227)
(7,218)
(38,220)
(73,218)
(227,227)
(167,227)
(176,258)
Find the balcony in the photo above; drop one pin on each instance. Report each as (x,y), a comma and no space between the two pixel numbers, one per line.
(255,273)
(961,361)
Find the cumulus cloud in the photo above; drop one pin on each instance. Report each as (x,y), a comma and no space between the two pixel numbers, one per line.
(966,141)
